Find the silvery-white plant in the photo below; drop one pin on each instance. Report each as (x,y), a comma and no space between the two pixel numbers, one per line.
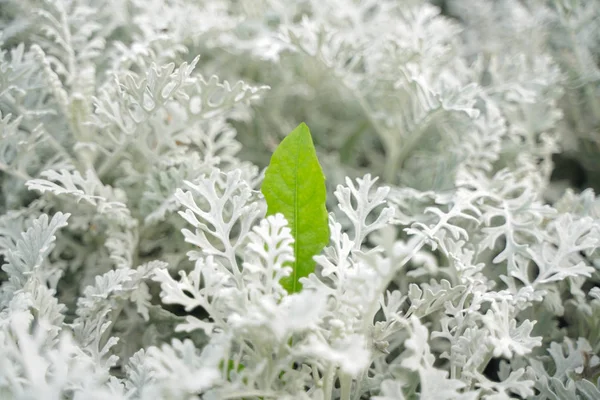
(138,260)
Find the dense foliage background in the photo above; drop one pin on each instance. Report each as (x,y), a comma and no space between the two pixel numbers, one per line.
(468,269)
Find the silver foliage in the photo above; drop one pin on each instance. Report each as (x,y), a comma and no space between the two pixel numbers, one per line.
(137,261)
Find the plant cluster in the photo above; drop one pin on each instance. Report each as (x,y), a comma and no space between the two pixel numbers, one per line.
(163,235)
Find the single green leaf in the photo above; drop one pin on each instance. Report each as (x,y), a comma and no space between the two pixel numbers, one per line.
(294,186)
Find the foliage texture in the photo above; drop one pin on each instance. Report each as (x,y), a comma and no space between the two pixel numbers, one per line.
(140,261)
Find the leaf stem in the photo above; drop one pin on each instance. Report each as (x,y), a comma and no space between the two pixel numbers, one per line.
(18,174)
(328,380)
(345,386)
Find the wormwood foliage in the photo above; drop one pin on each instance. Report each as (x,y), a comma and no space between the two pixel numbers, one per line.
(146,253)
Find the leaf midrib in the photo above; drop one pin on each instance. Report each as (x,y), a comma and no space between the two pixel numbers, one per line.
(296,241)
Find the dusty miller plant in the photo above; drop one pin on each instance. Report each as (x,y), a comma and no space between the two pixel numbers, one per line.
(137,258)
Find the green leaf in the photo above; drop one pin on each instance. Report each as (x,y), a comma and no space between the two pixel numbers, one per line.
(294,186)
